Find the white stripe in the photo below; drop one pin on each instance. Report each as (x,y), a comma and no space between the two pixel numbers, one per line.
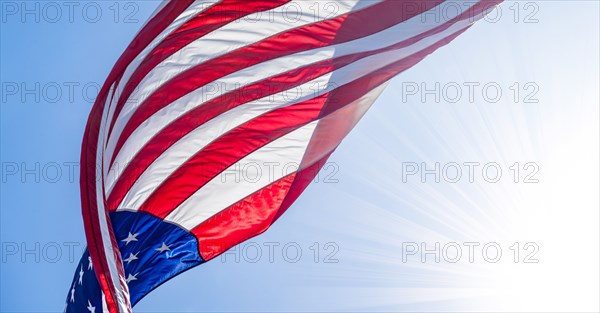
(118,282)
(193,10)
(104,305)
(169,113)
(193,142)
(243,32)
(243,178)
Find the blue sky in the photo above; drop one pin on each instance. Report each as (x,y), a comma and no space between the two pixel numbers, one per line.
(365,208)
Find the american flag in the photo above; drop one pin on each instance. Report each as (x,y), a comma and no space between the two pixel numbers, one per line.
(219,114)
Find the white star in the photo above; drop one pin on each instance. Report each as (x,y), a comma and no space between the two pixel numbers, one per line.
(163,248)
(131,257)
(130,238)
(131,277)
(81,275)
(91,308)
(73,294)
(90,265)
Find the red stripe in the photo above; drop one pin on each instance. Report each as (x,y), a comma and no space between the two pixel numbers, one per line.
(207,21)
(196,117)
(249,217)
(116,255)
(241,221)
(91,215)
(89,148)
(304,38)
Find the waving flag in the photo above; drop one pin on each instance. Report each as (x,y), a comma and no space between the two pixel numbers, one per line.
(219,114)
